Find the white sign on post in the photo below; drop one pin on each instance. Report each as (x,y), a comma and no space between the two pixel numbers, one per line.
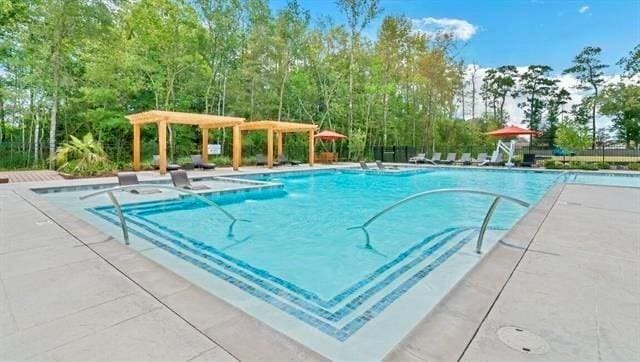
(214,149)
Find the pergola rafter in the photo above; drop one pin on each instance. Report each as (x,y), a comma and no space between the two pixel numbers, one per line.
(164,118)
(205,122)
(279,129)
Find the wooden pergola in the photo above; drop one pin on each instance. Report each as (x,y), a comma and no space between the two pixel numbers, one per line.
(163,118)
(279,129)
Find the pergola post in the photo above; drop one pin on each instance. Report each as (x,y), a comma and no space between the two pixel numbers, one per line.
(279,142)
(311,148)
(270,147)
(237,147)
(205,144)
(136,147)
(162,146)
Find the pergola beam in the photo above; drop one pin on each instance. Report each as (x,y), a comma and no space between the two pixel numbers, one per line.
(165,118)
(280,128)
(205,121)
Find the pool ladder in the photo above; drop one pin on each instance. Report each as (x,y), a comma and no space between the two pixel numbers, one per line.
(485,222)
(123,222)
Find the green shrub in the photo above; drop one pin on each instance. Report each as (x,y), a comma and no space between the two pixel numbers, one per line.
(634,166)
(552,164)
(575,164)
(184,160)
(83,157)
(603,165)
(221,161)
(248,161)
(588,166)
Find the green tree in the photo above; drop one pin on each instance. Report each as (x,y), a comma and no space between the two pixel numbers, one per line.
(555,114)
(359,14)
(589,71)
(631,63)
(498,84)
(535,87)
(621,102)
(572,136)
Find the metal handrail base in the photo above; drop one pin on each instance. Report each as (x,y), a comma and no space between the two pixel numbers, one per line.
(123,222)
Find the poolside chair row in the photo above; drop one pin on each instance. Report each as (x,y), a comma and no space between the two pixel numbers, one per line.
(364,166)
(282,159)
(465,159)
(179,179)
(196,160)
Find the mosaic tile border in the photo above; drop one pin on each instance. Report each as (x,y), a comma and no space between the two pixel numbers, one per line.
(259,276)
(340,334)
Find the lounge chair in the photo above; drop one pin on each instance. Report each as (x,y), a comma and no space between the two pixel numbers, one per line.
(465,159)
(181,180)
(480,159)
(284,160)
(383,167)
(363,165)
(170,166)
(496,160)
(261,160)
(419,158)
(451,157)
(528,160)
(128,179)
(198,163)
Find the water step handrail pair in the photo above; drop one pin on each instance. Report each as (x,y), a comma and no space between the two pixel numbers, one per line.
(485,222)
(123,222)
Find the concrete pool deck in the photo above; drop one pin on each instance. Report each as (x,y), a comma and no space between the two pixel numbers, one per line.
(70,292)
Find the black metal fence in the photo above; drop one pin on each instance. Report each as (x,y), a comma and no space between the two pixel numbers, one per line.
(610,155)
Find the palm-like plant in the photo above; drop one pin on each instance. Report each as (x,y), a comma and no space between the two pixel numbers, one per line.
(83,157)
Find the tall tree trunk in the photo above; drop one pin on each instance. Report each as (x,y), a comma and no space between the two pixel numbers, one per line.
(351,61)
(593,119)
(2,115)
(282,84)
(473,92)
(36,143)
(57,55)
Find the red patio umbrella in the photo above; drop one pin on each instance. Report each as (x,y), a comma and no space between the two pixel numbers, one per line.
(329,136)
(512,131)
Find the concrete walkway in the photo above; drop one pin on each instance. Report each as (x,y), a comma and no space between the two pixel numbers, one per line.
(577,287)
(87,297)
(30,176)
(60,301)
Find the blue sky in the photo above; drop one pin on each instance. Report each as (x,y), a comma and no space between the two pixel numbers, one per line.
(519,32)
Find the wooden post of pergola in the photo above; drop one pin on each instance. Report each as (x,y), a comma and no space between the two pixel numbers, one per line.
(163,119)
(204,150)
(279,143)
(280,129)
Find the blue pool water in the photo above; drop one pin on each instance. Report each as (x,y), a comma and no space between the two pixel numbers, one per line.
(299,258)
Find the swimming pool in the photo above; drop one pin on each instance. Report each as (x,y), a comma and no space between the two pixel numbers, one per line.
(298,266)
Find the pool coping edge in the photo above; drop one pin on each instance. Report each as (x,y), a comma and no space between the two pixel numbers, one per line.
(446,331)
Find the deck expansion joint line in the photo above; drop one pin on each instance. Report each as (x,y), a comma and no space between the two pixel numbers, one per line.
(125,275)
(495,300)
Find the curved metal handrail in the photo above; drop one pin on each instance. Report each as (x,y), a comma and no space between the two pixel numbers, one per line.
(123,222)
(485,222)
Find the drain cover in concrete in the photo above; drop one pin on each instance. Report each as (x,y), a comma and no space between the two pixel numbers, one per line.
(523,340)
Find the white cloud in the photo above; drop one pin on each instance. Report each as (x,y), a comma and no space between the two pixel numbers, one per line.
(459,29)
(583,9)
(515,113)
